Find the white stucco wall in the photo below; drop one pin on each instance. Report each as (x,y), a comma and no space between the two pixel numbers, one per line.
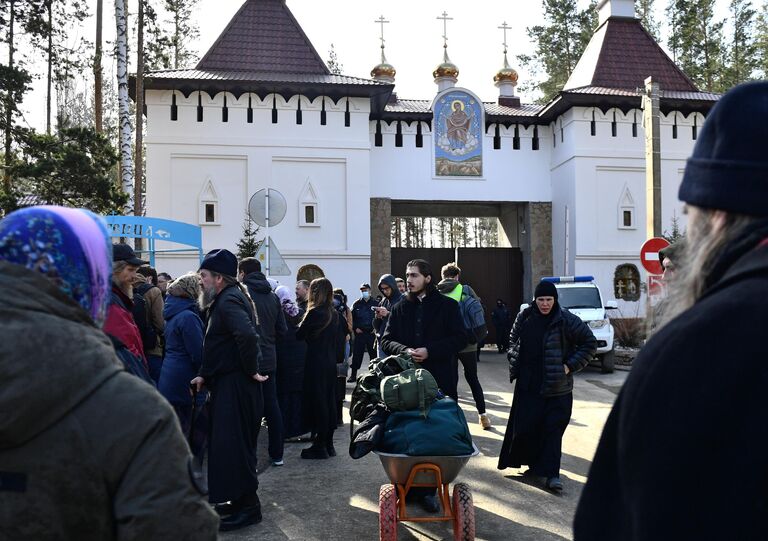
(590,175)
(239,158)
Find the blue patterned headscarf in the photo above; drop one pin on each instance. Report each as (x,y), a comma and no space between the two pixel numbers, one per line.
(71,247)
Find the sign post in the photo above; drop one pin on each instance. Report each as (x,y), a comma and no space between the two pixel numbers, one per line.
(267,207)
(651,261)
(649,255)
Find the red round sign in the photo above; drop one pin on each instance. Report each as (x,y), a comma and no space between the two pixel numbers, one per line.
(649,254)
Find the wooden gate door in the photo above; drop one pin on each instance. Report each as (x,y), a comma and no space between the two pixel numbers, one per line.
(493,273)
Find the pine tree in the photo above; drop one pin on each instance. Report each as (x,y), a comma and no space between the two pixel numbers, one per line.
(697,41)
(675,234)
(71,168)
(742,58)
(645,12)
(559,43)
(247,246)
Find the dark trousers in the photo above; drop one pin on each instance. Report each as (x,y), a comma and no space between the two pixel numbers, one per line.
(274,418)
(502,337)
(363,343)
(469,361)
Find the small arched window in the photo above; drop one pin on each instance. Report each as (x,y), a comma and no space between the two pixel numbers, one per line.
(626,209)
(208,205)
(309,206)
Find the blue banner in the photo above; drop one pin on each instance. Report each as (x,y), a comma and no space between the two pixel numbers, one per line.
(155,229)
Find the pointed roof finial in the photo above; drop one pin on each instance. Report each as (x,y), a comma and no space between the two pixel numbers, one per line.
(382,21)
(383,71)
(506,74)
(445,18)
(447,68)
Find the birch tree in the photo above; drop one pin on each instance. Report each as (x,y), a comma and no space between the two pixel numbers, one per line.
(97,71)
(126,160)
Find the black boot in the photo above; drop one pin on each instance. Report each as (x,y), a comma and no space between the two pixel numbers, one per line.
(316,452)
(352,376)
(249,513)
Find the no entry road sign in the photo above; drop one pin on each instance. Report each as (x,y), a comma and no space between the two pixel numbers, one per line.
(649,254)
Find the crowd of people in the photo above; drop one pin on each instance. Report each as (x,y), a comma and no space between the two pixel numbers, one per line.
(130,377)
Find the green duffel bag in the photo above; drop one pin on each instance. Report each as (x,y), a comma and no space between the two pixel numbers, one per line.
(444,432)
(412,389)
(391,365)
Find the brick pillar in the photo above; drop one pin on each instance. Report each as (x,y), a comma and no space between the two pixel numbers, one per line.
(536,245)
(381,231)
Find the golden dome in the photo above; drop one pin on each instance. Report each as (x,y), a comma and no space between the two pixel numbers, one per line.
(506,75)
(383,70)
(446,69)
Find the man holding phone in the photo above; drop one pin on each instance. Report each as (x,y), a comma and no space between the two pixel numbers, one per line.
(363,311)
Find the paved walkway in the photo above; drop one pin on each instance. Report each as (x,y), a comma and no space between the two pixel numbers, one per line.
(337,499)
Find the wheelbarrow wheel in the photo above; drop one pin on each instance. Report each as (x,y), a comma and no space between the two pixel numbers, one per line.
(388,513)
(463,513)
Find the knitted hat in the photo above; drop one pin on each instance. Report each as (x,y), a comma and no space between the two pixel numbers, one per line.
(545,289)
(221,261)
(729,166)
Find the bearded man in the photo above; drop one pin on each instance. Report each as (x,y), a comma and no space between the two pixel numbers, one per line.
(231,371)
(683,453)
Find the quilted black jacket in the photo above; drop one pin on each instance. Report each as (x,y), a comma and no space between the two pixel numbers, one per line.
(568,341)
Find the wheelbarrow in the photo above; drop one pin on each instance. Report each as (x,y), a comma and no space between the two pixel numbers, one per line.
(406,472)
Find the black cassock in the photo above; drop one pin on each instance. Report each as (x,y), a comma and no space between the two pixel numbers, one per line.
(231,356)
(291,353)
(325,347)
(536,423)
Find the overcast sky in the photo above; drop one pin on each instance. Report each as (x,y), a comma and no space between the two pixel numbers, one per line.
(413,39)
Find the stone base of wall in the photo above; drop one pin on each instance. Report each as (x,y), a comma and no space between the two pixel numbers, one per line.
(537,245)
(381,231)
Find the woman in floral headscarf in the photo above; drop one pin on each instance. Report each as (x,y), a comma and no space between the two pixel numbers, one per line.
(87,443)
(290,367)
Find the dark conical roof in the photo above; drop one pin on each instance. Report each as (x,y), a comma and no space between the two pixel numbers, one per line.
(621,55)
(264,36)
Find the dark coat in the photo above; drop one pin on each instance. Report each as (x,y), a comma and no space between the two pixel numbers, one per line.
(231,341)
(695,400)
(183,349)
(87,451)
(291,354)
(231,357)
(271,319)
(568,341)
(500,317)
(433,322)
(362,314)
(325,348)
(380,323)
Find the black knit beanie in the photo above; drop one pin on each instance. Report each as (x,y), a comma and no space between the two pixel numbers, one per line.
(729,166)
(221,261)
(545,289)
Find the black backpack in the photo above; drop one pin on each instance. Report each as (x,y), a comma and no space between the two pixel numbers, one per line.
(141,317)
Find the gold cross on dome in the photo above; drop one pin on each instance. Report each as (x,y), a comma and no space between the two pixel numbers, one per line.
(445,18)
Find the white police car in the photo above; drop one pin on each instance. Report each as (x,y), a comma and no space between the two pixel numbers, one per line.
(581,296)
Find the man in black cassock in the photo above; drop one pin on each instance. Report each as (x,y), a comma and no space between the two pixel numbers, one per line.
(230,371)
